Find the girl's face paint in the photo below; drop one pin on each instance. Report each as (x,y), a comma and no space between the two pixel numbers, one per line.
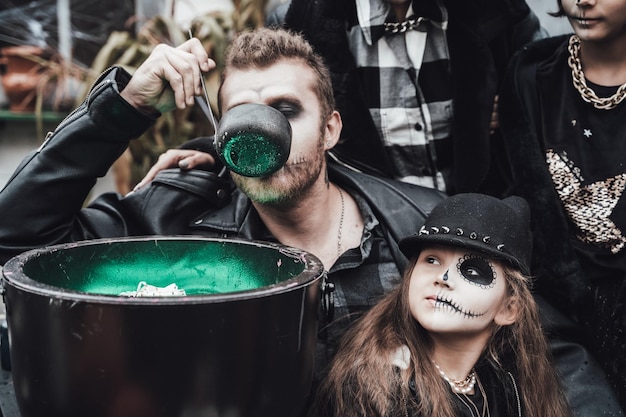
(477,270)
(457,291)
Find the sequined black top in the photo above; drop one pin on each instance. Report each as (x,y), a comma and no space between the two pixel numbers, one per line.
(585,151)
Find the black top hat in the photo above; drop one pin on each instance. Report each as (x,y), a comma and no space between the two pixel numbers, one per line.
(494,227)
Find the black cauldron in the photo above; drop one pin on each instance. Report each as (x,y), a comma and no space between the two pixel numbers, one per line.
(240,343)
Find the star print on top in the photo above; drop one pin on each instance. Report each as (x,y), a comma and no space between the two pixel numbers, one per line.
(588,206)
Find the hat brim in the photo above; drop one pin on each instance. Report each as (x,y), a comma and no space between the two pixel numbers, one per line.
(413,245)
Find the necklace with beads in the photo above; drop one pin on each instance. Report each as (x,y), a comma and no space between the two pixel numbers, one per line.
(463,386)
(578,79)
(471,406)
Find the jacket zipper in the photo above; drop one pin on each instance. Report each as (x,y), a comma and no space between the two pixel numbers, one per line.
(97,86)
(519,404)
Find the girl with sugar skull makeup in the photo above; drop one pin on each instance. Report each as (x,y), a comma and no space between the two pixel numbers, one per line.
(461,335)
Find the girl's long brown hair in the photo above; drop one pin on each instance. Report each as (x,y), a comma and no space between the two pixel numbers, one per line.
(363,382)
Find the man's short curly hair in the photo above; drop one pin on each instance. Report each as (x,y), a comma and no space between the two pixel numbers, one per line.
(263,47)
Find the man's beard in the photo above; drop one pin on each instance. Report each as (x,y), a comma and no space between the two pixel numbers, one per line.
(288,184)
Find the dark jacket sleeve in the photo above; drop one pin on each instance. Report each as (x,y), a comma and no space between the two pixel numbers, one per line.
(41,203)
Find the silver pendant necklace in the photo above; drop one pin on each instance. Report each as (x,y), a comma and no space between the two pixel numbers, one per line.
(339,233)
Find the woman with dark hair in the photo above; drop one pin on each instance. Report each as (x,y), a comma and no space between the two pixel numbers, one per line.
(461,335)
(564,126)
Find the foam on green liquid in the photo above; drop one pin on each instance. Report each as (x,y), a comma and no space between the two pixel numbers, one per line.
(197,267)
(252,154)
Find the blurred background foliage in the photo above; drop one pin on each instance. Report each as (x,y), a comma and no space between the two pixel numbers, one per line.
(105,34)
(214,30)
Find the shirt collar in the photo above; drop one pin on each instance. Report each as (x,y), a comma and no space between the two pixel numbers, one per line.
(372,14)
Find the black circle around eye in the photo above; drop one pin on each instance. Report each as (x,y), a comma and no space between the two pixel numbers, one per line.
(477,270)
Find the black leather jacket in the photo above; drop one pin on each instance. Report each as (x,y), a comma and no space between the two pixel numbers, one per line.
(42,204)
(58,178)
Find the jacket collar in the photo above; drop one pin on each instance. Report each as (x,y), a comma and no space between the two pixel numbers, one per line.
(399,207)
(239,217)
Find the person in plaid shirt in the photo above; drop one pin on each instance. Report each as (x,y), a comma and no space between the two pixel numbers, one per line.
(416,82)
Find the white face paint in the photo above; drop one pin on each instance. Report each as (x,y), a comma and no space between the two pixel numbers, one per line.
(457,291)
(288,86)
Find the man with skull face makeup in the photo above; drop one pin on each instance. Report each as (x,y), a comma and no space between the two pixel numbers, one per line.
(461,335)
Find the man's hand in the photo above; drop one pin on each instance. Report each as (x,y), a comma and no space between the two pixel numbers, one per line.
(495,122)
(182,158)
(169,78)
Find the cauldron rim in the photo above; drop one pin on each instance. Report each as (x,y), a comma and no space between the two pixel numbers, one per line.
(12,274)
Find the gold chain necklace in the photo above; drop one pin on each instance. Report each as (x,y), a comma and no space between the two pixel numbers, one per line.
(578,76)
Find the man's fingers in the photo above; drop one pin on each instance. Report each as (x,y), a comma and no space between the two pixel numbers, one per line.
(195,159)
(196,48)
(494,123)
(176,69)
(172,158)
(176,82)
(169,159)
(182,71)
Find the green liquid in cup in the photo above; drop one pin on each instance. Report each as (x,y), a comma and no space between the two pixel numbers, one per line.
(252,155)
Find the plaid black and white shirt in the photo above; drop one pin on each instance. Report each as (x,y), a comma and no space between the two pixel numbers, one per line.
(407,83)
